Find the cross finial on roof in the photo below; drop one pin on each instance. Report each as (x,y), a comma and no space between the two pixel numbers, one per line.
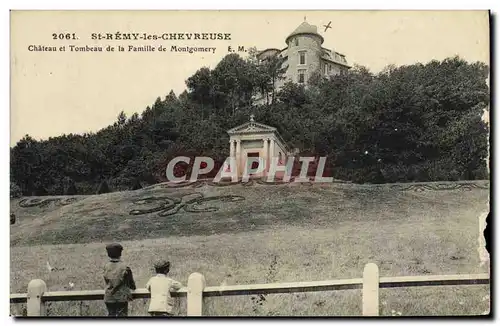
(304,18)
(251,117)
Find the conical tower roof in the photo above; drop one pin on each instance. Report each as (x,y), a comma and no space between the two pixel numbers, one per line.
(305,28)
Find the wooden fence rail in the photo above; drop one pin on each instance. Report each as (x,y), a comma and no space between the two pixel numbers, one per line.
(196,290)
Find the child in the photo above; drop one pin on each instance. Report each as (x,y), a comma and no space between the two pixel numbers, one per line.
(119,282)
(161,303)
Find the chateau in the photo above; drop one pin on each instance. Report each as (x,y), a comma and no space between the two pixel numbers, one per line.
(305,55)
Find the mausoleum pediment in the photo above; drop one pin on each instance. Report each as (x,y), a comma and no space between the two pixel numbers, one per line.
(251,127)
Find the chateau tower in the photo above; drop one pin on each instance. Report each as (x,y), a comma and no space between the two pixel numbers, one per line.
(305,55)
(303,52)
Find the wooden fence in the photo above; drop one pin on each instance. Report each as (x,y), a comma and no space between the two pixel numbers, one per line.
(196,290)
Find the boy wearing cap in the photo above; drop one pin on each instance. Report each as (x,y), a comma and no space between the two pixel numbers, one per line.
(161,303)
(119,281)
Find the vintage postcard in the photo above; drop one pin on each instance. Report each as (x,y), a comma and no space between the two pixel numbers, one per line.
(249,163)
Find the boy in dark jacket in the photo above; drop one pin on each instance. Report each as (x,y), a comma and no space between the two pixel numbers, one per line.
(119,282)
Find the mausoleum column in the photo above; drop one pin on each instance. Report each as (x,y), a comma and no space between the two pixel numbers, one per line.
(271,150)
(231,148)
(238,147)
(238,154)
(266,153)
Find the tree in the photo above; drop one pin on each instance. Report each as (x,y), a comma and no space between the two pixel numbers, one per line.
(292,95)
(25,162)
(201,89)
(171,97)
(269,72)
(419,122)
(233,79)
(121,120)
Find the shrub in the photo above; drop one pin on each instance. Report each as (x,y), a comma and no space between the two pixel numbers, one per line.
(40,190)
(480,173)
(120,183)
(367,175)
(103,188)
(71,190)
(15,190)
(136,185)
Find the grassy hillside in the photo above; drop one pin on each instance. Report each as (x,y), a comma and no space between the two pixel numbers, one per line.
(271,233)
(253,207)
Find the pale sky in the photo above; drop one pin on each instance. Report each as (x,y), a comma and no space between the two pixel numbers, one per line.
(74,92)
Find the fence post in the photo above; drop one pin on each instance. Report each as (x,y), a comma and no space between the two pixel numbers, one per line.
(34,304)
(196,285)
(370,290)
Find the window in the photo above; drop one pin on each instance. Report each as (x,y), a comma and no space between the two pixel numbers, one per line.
(302,76)
(302,58)
(296,41)
(326,69)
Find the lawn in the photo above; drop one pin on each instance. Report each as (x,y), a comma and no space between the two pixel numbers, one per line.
(264,233)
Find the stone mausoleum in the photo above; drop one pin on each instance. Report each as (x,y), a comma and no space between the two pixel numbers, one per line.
(253,139)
